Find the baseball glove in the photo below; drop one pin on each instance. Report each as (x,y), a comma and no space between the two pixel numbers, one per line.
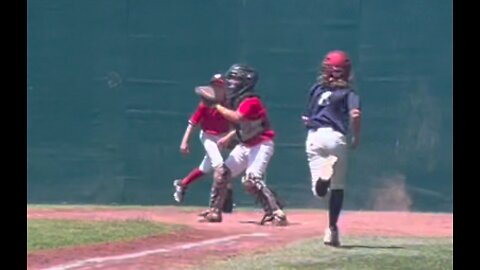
(209,95)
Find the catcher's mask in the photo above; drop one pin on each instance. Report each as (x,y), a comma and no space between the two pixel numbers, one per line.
(336,67)
(240,78)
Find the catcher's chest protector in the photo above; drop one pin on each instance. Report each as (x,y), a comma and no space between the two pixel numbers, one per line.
(250,129)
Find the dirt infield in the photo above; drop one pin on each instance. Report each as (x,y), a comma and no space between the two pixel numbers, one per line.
(239,233)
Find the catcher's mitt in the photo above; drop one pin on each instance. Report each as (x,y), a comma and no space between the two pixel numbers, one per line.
(210,95)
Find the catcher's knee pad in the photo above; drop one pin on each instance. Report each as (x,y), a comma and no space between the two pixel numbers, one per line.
(221,175)
(253,184)
(256,187)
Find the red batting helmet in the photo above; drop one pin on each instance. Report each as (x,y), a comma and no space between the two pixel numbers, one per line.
(337,65)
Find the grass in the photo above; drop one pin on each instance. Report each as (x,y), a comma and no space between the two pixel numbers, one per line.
(359,253)
(51,234)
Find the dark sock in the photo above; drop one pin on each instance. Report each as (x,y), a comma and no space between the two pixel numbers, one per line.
(335,206)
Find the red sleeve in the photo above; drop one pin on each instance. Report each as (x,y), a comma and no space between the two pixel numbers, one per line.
(250,107)
(198,114)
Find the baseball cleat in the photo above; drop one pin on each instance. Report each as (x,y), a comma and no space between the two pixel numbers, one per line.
(204,213)
(331,237)
(179,191)
(214,215)
(277,218)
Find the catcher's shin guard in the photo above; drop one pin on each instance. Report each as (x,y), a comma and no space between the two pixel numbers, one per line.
(221,178)
(267,199)
(213,196)
(228,204)
(281,203)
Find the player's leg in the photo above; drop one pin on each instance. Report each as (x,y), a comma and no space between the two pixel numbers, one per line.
(205,167)
(181,185)
(258,159)
(228,205)
(229,201)
(327,156)
(321,159)
(233,166)
(215,159)
(332,234)
(209,143)
(337,186)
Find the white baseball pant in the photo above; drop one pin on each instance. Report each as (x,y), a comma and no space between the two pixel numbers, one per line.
(252,160)
(327,155)
(213,157)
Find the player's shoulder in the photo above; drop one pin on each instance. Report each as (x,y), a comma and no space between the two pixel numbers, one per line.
(316,86)
(253,101)
(253,98)
(201,106)
(351,91)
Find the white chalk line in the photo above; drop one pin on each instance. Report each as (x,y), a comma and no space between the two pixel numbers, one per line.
(96,260)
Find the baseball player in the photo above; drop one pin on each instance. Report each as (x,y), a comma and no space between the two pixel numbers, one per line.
(333,107)
(213,128)
(247,113)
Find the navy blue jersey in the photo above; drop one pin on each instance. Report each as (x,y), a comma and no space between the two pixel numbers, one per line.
(330,108)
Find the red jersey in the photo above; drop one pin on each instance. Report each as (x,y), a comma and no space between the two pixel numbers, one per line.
(255,115)
(210,120)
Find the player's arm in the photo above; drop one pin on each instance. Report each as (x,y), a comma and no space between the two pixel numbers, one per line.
(192,123)
(230,135)
(309,106)
(188,132)
(225,141)
(230,115)
(356,126)
(355,117)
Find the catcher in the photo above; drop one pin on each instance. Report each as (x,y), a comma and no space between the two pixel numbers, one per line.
(213,128)
(252,155)
(333,105)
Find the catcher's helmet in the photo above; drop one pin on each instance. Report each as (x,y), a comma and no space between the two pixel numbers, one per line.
(336,65)
(241,78)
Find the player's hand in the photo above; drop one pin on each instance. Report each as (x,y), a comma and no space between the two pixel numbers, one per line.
(305,120)
(355,113)
(223,142)
(184,149)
